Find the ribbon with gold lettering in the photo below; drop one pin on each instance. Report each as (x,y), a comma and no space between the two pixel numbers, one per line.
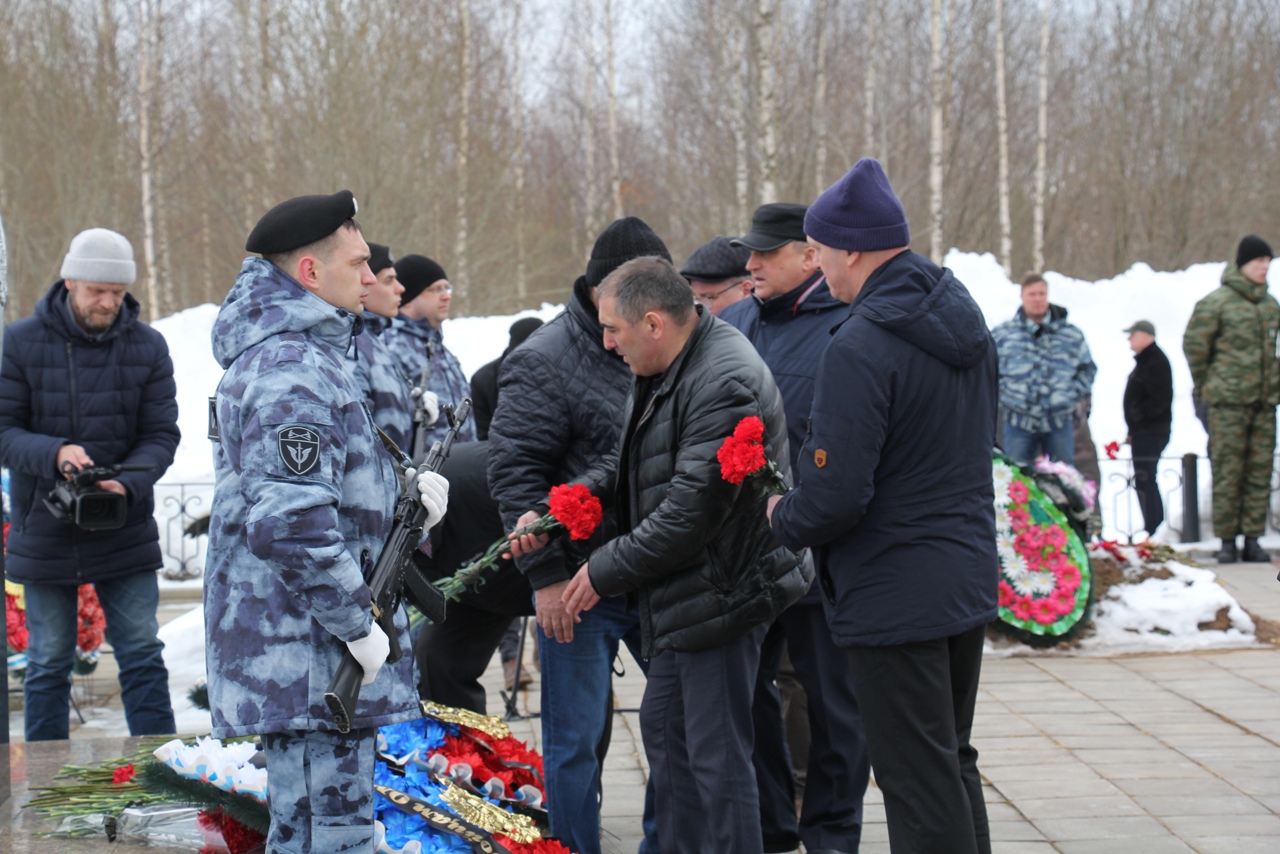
(479,839)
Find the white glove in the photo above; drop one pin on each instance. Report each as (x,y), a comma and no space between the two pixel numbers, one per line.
(435,497)
(430,405)
(371,651)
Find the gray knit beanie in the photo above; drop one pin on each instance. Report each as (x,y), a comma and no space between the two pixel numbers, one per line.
(100,255)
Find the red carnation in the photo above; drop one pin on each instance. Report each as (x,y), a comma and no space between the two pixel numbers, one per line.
(742,456)
(123,774)
(576,509)
(1113,448)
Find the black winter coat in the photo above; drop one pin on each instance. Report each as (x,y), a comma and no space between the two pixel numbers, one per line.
(696,548)
(114,394)
(895,492)
(1148,395)
(560,397)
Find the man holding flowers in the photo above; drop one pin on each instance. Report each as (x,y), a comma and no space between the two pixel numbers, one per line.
(693,550)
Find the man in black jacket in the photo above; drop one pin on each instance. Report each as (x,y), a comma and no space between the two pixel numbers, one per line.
(895,495)
(559,398)
(694,549)
(484,382)
(1148,412)
(85,382)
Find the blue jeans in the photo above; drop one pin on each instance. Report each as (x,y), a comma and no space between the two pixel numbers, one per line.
(1025,446)
(129,603)
(576,686)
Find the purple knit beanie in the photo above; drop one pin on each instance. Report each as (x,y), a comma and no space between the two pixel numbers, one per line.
(859,212)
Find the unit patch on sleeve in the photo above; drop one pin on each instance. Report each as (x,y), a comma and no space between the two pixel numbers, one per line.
(299,449)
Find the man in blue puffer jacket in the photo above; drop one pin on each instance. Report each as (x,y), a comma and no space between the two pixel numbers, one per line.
(1045,372)
(895,497)
(84,383)
(303,503)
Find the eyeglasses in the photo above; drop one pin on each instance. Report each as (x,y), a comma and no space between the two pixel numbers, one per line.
(708,299)
(440,289)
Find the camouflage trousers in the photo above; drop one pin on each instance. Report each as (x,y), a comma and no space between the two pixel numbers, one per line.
(320,792)
(1242,443)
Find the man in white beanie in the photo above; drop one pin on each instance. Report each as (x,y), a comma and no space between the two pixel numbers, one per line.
(85,384)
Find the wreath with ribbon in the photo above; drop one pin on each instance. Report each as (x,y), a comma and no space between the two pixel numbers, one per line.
(1046,583)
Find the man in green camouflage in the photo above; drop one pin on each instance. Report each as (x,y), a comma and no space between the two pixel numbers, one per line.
(1230,344)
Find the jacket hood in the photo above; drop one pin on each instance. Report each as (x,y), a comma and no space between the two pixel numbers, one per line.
(1056,317)
(54,310)
(1247,288)
(264,302)
(926,306)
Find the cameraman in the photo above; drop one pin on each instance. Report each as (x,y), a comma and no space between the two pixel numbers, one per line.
(84,382)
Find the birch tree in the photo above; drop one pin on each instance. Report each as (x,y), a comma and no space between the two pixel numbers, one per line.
(1002,133)
(767,100)
(820,99)
(148,25)
(1042,144)
(875,21)
(615,167)
(517,110)
(461,279)
(936,132)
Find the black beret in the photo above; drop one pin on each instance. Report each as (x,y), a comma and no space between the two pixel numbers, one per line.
(716,260)
(417,273)
(773,226)
(380,258)
(299,222)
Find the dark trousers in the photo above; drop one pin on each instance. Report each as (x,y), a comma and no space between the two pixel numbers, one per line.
(1146,456)
(917,703)
(453,655)
(838,768)
(696,723)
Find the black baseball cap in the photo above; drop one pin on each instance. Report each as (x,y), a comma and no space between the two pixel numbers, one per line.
(774,225)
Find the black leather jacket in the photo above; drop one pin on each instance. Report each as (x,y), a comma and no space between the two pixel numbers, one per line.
(696,549)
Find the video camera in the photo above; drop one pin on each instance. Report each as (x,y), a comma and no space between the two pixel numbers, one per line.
(81,501)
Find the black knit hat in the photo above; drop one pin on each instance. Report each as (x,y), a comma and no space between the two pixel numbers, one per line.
(299,222)
(1252,247)
(417,273)
(623,240)
(716,260)
(380,258)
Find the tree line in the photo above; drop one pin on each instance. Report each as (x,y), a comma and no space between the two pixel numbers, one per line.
(499,136)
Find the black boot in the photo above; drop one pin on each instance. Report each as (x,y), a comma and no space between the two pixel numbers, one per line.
(1253,552)
(1227,554)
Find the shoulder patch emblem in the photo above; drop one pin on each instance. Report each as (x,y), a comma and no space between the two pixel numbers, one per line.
(819,458)
(299,449)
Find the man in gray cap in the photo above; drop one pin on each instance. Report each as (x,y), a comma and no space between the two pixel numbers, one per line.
(302,506)
(1148,412)
(789,320)
(86,383)
(717,274)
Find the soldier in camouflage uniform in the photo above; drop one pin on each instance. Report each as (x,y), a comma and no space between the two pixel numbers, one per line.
(376,371)
(1230,344)
(424,306)
(303,502)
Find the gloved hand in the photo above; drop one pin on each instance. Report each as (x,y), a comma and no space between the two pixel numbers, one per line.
(371,651)
(435,497)
(430,404)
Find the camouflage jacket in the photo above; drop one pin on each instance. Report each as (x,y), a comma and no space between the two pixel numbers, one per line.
(408,341)
(304,497)
(1045,370)
(386,389)
(1230,343)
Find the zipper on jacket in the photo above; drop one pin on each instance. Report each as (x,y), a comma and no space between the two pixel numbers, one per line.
(75,404)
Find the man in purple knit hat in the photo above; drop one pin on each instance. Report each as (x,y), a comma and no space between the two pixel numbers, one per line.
(895,497)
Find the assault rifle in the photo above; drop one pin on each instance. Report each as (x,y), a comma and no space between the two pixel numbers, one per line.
(420,425)
(394,578)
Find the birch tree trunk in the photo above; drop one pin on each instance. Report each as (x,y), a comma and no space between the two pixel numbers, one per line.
(875,17)
(738,89)
(461,279)
(1002,131)
(936,208)
(517,106)
(820,101)
(1042,145)
(266,111)
(147,18)
(615,168)
(590,203)
(767,99)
